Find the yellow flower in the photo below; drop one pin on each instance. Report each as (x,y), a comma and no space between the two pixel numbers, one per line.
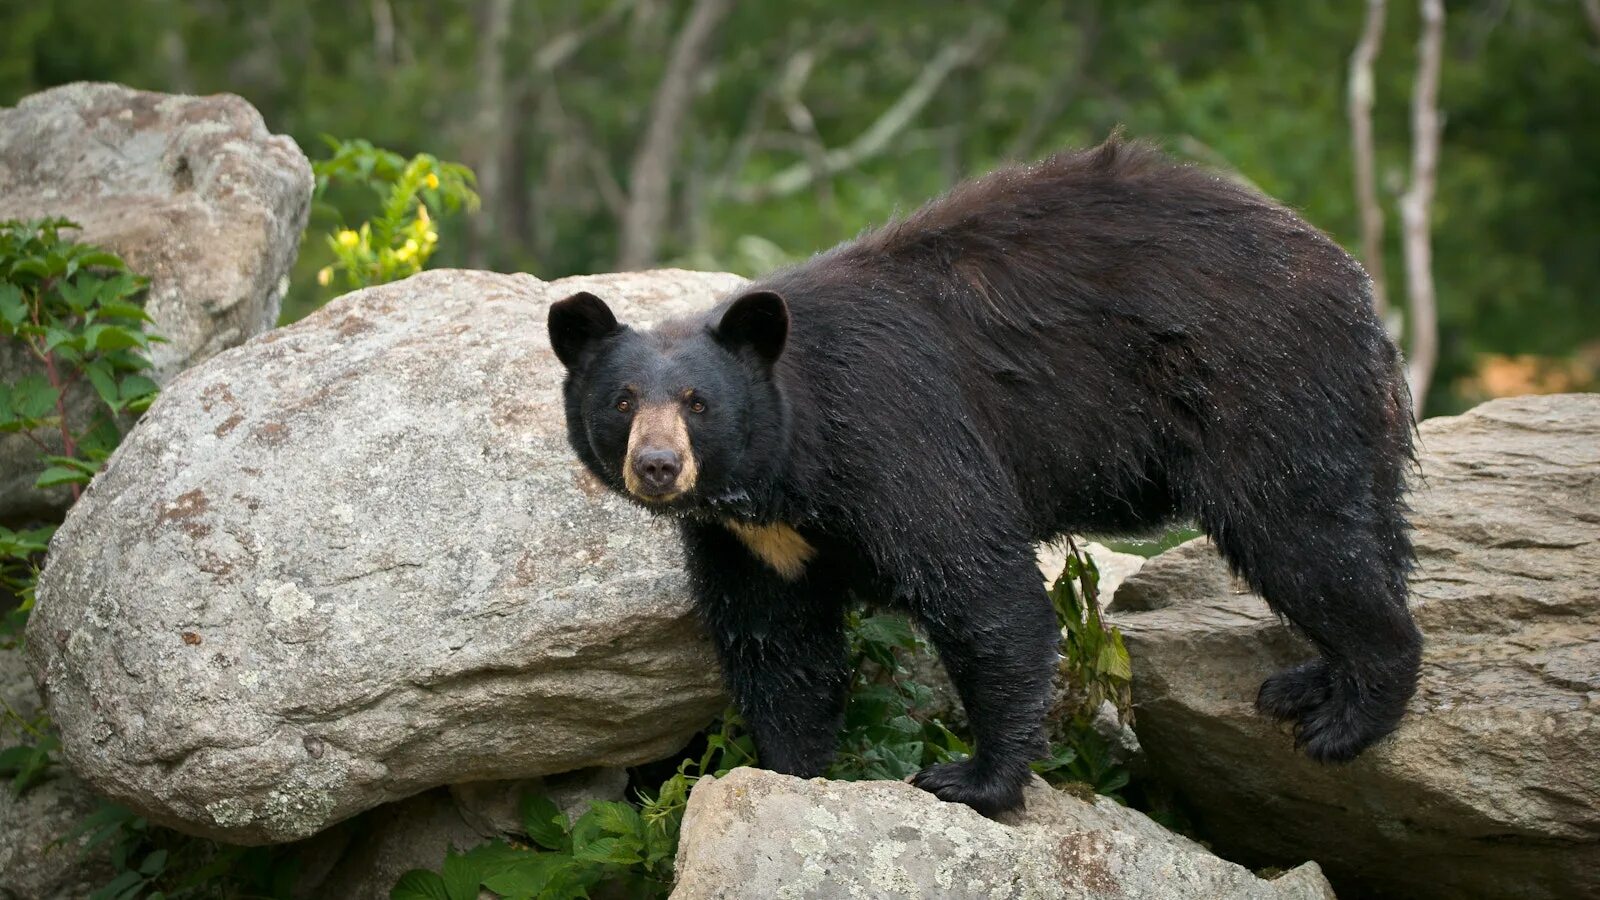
(405,253)
(422,214)
(432,181)
(325,275)
(431,237)
(348,238)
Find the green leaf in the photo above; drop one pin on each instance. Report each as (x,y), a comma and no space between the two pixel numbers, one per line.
(114,337)
(124,310)
(105,383)
(154,864)
(615,817)
(135,387)
(608,849)
(79,293)
(461,877)
(59,475)
(55,337)
(33,398)
(1114,659)
(13,308)
(890,630)
(528,877)
(419,884)
(102,259)
(34,267)
(545,823)
(118,886)
(13,759)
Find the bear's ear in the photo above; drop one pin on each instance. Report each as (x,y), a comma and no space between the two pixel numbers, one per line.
(576,323)
(758,321)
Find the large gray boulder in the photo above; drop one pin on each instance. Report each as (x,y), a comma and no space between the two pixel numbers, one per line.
(759,834)
(1491,787)
(356,559)
(193,192)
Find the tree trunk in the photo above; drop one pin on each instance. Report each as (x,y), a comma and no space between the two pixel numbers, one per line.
(1416,206)
(650,179)
(383,35)
(1359,108)
(882,131)
(491,132)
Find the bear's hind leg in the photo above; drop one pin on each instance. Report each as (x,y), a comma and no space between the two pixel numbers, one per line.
(998,638)
(1344,587)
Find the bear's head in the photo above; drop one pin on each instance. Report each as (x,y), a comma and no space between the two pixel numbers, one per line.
(686,416)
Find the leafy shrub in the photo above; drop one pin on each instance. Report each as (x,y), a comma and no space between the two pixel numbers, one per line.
(888,733)
(70,307)
(158,864)
(401,235)
(613,843)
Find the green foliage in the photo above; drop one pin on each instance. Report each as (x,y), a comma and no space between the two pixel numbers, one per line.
(150,863)
(21,555)
(400,236)
(1094,661)
(888,732)
(1094,669)
(28,764)
(613,845)
(73,309)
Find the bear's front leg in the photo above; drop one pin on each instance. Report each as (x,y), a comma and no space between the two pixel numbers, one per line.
(781,644)
(998,638)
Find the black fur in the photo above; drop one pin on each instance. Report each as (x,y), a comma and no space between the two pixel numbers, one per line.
(1104,342)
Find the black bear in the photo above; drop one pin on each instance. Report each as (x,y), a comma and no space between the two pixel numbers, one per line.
(1106,341)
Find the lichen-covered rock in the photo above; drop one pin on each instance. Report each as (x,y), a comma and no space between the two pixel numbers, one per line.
(1491,786)
(193,192)
(760,834)
(355,559)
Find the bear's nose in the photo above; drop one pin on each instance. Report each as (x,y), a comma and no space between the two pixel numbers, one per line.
(658,469)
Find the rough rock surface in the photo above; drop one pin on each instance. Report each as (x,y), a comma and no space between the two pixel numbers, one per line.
(193,192)
(1491,787)
(760,834)
(35,864)
(355,559)
(363,863)
(32,865)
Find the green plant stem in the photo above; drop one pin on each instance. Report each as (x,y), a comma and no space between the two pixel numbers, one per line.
(68,444)
(13,715)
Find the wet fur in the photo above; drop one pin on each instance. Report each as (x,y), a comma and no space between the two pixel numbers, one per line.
(1104,342)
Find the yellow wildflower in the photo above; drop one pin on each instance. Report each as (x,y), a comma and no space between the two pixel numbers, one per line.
(325,276)
(348,238)
(422,213)
(431,237)
(433,181)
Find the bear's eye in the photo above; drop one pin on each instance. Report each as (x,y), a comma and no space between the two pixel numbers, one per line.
(624,405)
(697,405)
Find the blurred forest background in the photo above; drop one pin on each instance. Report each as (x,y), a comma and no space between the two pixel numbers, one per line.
(712,134)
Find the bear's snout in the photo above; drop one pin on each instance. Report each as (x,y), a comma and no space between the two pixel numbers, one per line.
(657,470)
